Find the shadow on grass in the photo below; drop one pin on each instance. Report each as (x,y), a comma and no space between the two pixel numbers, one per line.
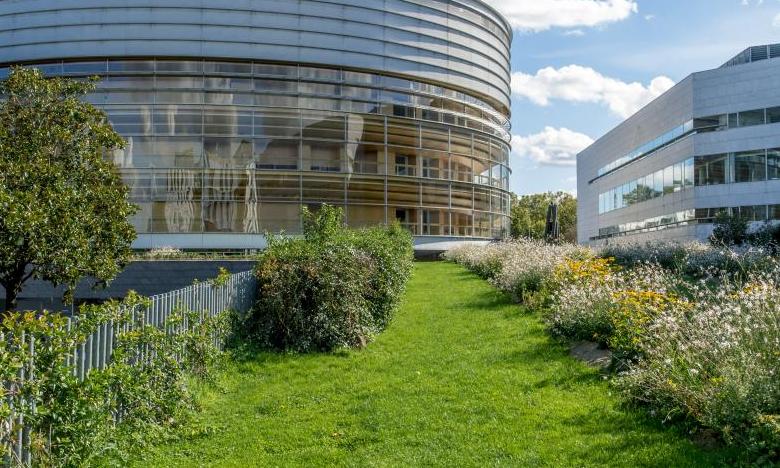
(631,429)
(248,353)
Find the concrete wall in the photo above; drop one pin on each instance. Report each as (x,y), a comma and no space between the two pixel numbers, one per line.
(665,113)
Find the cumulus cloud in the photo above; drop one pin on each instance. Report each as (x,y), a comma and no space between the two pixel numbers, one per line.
(540,15)
(552,146)
(576,83)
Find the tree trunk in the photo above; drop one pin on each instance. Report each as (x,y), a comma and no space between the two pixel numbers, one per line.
(13,287)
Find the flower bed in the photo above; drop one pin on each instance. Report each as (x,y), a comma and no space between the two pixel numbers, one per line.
(695,330)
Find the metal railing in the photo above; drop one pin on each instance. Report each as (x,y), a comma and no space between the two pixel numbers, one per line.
(96,351)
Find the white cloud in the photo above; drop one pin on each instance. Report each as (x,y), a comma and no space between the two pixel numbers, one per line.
(576,83)
(552,146)
(540,15)
(574,32)
(776,21)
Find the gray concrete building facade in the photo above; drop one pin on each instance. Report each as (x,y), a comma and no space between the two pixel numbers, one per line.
(237,114)
(710,144)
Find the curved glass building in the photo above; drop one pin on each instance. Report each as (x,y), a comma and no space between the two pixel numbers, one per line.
(238,113)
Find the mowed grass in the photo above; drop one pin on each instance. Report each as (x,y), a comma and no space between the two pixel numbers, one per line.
(463,377)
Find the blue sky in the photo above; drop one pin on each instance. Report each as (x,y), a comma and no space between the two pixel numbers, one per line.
(582,66)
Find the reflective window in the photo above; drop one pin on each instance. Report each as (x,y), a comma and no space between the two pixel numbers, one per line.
(130,66)
(434,165)
(323,156)
(221,146)
(227,68)
(689,173)
(750,118)
(264,69)
(277,154)
(773,164)
(711,170)
(367,159)
(80,68)
(750,166)
(238,84)
(404,161)
(275,86)
(773,115)
(669,180)
(179,66)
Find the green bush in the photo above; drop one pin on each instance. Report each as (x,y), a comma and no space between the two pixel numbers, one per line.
(335,287)
(729,230)
(115,410)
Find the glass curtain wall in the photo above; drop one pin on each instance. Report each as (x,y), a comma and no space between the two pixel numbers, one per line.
(223,147)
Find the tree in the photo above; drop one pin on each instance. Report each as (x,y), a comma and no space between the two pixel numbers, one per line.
(529,215)
(63,208)
(729,229)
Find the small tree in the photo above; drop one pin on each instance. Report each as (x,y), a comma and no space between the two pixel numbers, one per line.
(729,229)
(63,208)
(529,215)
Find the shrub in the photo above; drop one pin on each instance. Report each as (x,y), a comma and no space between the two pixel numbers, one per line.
(122,407)
(729,230)
(582,299)
(335,287)
(717,363)
(694,327)
(691,259)
(518,267)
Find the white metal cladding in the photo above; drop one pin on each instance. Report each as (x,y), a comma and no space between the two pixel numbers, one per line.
(460,42)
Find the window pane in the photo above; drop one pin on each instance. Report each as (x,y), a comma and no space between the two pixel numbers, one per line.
(366,191)
(689,173)
(657,184)
(435,137)
(404,161)
(276,154)
(750,118)
(366,159)
(365,216)
(227,153)
(324,126)
(773,115)
(773,164)
(175,66)
(135,66)
(228,68)
(434,165)
(678,177)
(275,70)
(749,166)
(711,170)
(322,156)
(669,180)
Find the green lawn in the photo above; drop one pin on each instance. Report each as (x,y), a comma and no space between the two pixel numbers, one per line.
(463,377)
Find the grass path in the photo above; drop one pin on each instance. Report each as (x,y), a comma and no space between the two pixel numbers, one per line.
(462,378)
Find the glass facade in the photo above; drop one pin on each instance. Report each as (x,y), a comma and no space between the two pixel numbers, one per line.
(672,220)
(651,146)
(753,213)
(730,168)
(239,147)
(716,169)
(747,118)
(671,179)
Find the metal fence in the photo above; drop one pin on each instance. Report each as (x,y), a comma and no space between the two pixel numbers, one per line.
(237,294)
